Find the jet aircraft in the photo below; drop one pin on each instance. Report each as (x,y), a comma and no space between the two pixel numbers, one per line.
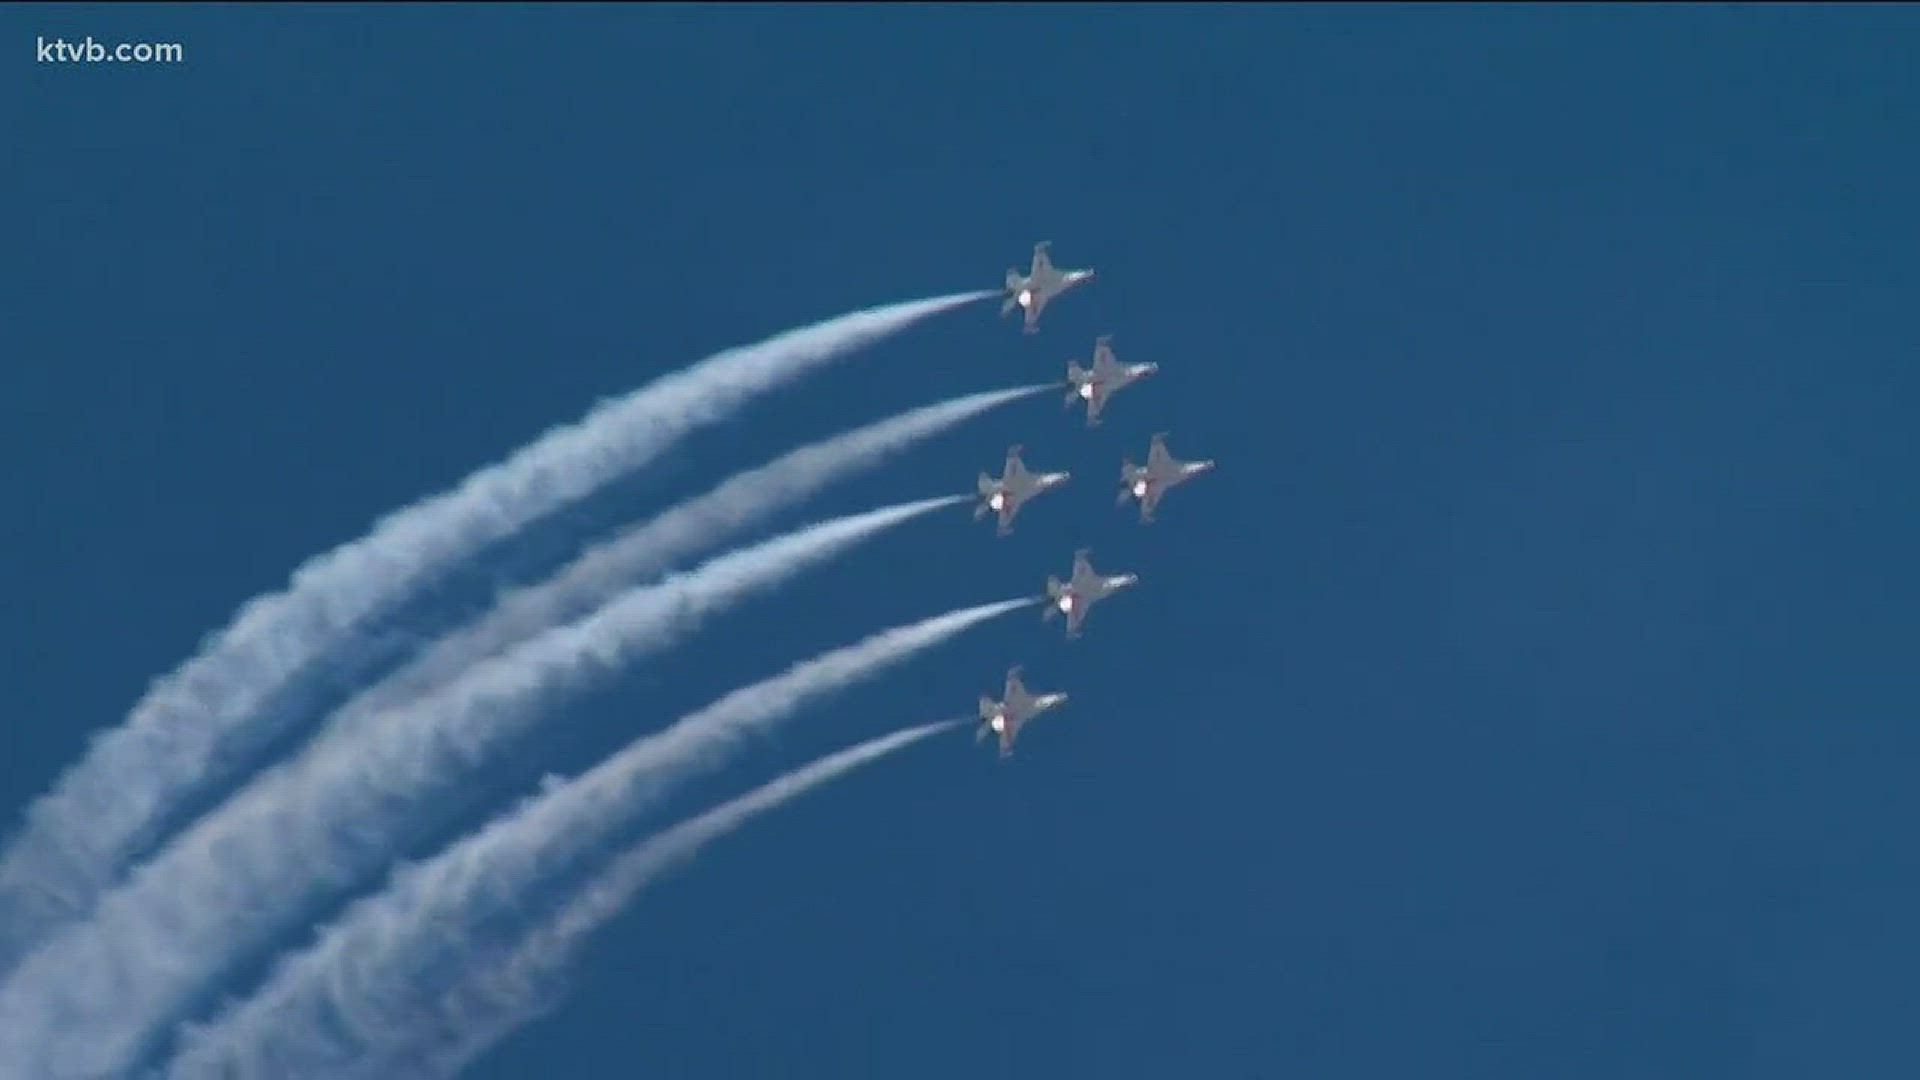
(1085,588)
(1032,291)
(1149,482)
(1095,384)
(1015,486)
(1007,716)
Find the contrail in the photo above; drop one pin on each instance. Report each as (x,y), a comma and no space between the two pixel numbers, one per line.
(400,1024)
(330,817)
(377,949)
(688,529)
(191,728)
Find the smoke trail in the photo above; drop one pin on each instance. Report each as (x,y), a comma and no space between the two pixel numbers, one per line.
(190,729)
(685,530)
(428,1032)
(328,818)
(334,1002)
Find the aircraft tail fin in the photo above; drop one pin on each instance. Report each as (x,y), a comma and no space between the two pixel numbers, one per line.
(988,707)
(1014,279)
(1054,588)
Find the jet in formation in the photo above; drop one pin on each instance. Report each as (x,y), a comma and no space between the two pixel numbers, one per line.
(1095,384)
(1148,483)
(1085,588)
(1032,291)
(1016,485)
(1016,706)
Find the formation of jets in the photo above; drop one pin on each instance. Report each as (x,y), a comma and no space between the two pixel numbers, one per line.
(1094,383)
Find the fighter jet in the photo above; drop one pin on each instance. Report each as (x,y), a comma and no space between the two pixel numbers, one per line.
(1080,592)
(1094,385)
(1015,486)
(1149,482)
(1041,284)
(1007,716)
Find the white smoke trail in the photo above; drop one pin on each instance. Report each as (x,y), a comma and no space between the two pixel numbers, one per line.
(694,526)
(191,728)
(81,1003)
(337,1002)
(495,991)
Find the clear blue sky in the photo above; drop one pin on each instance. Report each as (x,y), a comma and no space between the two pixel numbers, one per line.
(1530,693)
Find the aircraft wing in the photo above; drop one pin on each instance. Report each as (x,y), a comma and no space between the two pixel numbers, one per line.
(1158,458)
(1037,301)
(1008,734)
(1042,262)
(1095,402)
(1103,361)
(1015,689)
(1075,617)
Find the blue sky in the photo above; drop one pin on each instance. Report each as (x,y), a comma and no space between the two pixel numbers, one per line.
(1529,693)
